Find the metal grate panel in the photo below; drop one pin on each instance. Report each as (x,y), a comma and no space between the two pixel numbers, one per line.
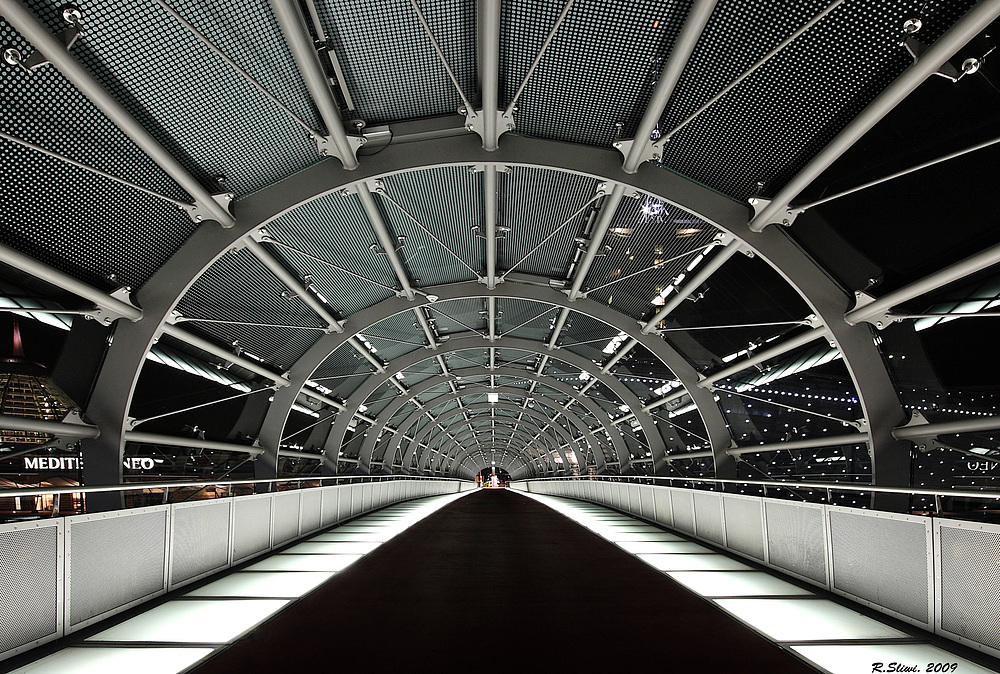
(311,515)
(633,504)
(796,541)
(381,65)
(45,214)
(333,233)
(884,560)
(969,583)
(800,99)
(682,503)
(744,525)
(251,526)
(286,518)
(133,543)
(30,585)
(199,540)
(708,516)
(647,508)
(448,201)
(344,502)
(599,69)
(534,203)
(252,144)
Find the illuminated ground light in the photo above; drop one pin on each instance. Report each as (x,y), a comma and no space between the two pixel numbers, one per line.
(173,636)
(781,611)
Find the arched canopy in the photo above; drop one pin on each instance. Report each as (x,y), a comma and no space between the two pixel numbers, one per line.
(643,243)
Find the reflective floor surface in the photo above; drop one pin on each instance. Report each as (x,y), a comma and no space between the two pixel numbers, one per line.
(176,634)
(826,633)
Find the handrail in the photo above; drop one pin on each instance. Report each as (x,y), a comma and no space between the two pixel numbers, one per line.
(137,486)
(833,486)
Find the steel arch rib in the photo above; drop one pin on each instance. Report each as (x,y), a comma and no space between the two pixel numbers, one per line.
(414,447)
(424,459)
(115,384)
(368,447)
(575,444)
(339,430)
(462,448)
(432,429)
(426,463)
(506,390)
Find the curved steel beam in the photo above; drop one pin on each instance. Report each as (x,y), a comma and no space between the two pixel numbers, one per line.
(586,434)
(339,430)
(527,438)
(115,384)
(711,414)
(394,445)
(505,390)
(433,429)
(368,447)
(427,464)
(466,431)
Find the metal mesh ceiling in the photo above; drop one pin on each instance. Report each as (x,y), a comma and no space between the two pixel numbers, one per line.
(447,204)
(534,204)
(583,75)
(183,94)
(800,99)
(382,48)
(591,87)
(334,231)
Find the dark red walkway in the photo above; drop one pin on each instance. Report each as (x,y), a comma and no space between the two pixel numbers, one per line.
(498,581)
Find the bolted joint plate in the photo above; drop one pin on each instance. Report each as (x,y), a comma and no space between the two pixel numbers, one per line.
(880,321)
(325,145)
(475,121)
(107,315)
(198,213)
(651,151)
(786,218)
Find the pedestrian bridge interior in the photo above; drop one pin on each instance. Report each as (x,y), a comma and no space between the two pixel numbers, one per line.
(715,279)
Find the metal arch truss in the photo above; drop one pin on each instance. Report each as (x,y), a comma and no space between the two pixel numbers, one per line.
(368,447)
(115,383)
(425,458)
(574,419)
(340,426)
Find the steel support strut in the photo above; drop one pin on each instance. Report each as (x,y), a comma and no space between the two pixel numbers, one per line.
(337,142)
(205,205)
(779,209)
(641,148)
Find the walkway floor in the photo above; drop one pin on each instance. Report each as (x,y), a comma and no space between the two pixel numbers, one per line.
(496,580)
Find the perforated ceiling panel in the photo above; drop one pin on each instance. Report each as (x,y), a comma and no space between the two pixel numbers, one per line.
(800,99)
(239,289)
(73,220)
(336,371)
(536,205)
(399,330)
(446,246)
(382,48)
(649,245)
(583,85)
(183,93)
(328,236)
